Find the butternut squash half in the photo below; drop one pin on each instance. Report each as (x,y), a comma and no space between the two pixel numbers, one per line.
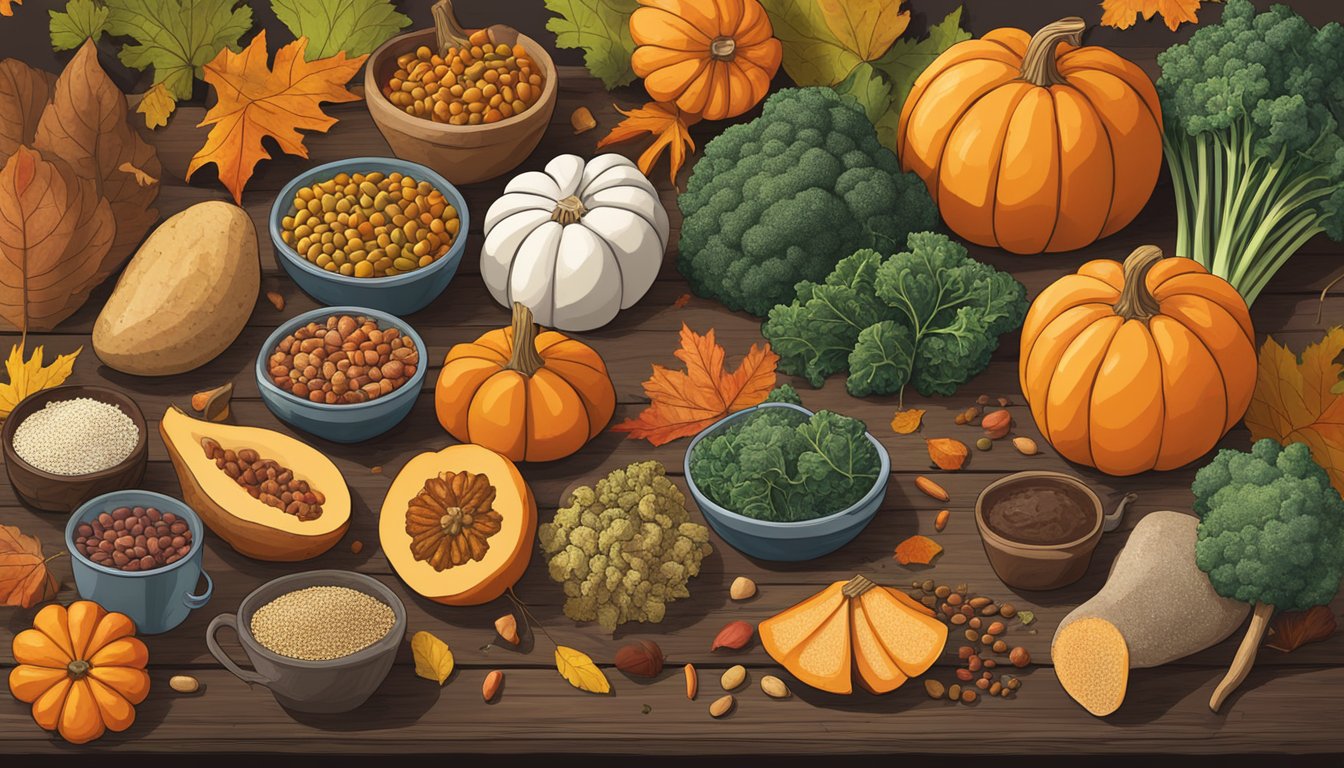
(458,525)
(882,634)
(254,528)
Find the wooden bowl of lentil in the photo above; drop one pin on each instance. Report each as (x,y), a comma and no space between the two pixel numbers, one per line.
(53,492)
(464,154)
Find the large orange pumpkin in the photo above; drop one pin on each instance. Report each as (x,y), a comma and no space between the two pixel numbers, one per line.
(1137,367)
(1031,143)
(539,399)
(82,669)
(714,58)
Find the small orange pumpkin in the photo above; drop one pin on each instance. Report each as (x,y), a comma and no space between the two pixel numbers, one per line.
(1032,143)
(82,669)
(539,399)
(714,58)
(1137,367)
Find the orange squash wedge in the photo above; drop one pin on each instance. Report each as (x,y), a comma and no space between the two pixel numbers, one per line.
(855,627)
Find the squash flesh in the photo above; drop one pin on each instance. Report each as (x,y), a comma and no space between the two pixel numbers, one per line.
(782,633)
(823,660)
(877,671)
(913,640)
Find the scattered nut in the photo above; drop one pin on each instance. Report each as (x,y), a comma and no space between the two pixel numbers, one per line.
(972,635)
(1019,657)
(973,663)
(979,602)
(490,688)
(989,610)
(996,628)
(999,646)
(507,627)
(975,623)
(986,640)
(733,677)
(995,687)
(742,588)
(996,424)
(642,658)
(722,706)
(276,300)
(213,404)
(1007,610)
(692,682)
(968,696)
(927,586)
(934,688)
(984,444)
(931,489)
(965,652)
(954,599)
(982,400)
(982,684)
(376,470)
(1011,683)
(356,547)
(964,675)
(940,522)
(958,619)
(582,119)
(1025,446)
(184,683)
(942,591)
(774,687)
(954,692)
(1004,402)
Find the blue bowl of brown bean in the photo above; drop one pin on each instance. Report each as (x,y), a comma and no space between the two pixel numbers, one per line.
(160,592)
(341,422)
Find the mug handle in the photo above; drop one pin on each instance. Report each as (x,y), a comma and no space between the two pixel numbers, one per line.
(229,620)
(1112,521)
(198,601)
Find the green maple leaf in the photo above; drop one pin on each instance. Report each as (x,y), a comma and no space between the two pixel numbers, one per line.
(602,29)
(354,26)
(176,37)
(80,20)
(902,64)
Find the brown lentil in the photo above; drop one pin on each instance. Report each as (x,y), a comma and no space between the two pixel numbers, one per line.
(321,623)
(370,225)
(343,360)
(266,480)
(134,539)
(482,82)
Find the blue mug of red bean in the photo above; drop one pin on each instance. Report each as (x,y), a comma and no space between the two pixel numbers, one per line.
(139,553)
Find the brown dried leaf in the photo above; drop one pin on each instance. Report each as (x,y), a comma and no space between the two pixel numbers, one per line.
(734,635)
(907,422)
(917,550)
(682,301)
(1293,629)
(947,454)
(24,578)
(24,92)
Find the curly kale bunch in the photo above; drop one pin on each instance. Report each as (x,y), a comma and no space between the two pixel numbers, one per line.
(1252,110)
(1271,533)
(780,465)
(784,197)
(624,549)
(930,315)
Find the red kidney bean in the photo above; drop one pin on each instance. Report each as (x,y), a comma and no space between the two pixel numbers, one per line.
(134,539)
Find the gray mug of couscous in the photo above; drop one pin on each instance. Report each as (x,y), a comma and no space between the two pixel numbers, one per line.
(321,641)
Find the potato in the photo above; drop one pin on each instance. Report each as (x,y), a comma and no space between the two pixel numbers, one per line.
(185,295)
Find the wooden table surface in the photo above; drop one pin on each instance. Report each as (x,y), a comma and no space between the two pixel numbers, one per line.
(1290,703)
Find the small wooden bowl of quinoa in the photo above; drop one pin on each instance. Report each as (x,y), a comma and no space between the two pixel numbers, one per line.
(66,445)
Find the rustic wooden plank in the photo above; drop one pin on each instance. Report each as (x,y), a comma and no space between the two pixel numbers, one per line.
(1166,712)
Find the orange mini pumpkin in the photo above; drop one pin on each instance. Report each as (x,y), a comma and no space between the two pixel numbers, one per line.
(714,58)
(1032,143)
(539,399)
(82,669)
(1137,367)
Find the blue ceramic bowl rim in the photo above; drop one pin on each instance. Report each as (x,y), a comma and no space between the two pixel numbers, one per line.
(140,498)
(279,209)
(708,504)
(384,318)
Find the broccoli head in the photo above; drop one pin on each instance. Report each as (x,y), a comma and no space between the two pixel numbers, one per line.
(786,196)
(1271,526)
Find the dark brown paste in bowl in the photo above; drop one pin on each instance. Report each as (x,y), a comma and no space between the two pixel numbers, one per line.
(1040,513)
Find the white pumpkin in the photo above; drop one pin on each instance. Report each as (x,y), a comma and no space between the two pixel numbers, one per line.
(577,243)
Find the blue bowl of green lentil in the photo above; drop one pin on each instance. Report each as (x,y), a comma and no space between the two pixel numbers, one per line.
(63,493)
(399,294)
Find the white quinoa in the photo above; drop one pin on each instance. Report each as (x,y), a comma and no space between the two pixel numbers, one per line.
(76,437)
(321,623)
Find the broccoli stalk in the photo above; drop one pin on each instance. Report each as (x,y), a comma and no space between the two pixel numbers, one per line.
(1252,109)
(1271,534)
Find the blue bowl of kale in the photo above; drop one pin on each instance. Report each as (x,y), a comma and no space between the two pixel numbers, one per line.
(779,482)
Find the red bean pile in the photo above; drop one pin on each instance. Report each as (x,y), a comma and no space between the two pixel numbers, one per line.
(134,539)
(266,480)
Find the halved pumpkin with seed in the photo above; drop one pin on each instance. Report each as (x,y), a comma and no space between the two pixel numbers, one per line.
(884,635)
(458,525)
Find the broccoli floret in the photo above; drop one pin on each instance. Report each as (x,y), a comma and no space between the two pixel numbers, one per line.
(625,548)
(784,393)
(1251,109)
(784,197)
(1271,533)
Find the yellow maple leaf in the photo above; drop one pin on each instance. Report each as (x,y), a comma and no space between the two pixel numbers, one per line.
(7,7)
(576,667)
(669,127)
(1293,401)
(866,27)
(31,376)
(1122,14)
(255,101)
(433,657)
(157,105)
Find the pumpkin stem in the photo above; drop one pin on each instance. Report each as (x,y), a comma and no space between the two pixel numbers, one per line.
(1136,301)
(568,210)
(448,33)
(857,586)
(525,358)
(1039,66)
(78,669)
(723,48)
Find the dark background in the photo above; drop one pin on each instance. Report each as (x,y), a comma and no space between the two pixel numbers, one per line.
(24,35)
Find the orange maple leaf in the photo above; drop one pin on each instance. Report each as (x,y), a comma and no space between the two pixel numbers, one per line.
(684,402)
(669,127)
(917,550)
(7,7)
(1122,14)
(24,578)
(1294,401)
(255,102)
